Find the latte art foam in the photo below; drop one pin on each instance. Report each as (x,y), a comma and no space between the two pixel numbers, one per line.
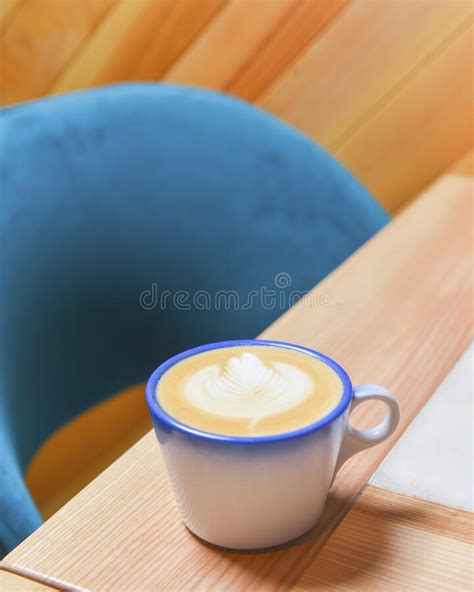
(248,388)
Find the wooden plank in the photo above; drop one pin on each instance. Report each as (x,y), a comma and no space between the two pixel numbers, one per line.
(231,39)
(39,39)
(384,314)
(367,50)
(304,22)
(138,41)
(11,582)
(184,23)
(369,54)
(417,134)
(392,542)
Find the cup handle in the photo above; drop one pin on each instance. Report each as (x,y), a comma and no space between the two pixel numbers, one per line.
(355,440)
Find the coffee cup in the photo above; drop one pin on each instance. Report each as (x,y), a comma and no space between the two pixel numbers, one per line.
(244,489)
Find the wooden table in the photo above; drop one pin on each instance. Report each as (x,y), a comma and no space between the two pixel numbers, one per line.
(411,529)
(398,312)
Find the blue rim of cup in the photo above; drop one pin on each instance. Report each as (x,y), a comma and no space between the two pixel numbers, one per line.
(170,422)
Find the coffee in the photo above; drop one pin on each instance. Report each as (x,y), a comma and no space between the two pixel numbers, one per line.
(249,390)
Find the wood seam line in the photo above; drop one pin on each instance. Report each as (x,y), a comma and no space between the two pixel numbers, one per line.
(291,10)
(322,31)
(191,42)
(75,54)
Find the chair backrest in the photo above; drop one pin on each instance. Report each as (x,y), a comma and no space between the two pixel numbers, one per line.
(139,220)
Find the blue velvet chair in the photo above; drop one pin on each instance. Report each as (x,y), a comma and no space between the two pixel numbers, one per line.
(113,198)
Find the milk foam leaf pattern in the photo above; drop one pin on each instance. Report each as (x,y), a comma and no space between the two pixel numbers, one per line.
(247,388)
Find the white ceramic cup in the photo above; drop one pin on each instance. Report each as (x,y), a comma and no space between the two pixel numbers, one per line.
(257,492)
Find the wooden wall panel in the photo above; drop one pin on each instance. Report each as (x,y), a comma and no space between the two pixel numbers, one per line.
(38,39)
(363,56)
(370,54)
(230,40)
(139,41)
(304,22)
(424,127)
(385,85)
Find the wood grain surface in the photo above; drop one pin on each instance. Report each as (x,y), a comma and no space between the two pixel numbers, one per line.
(342,75)
(403,86)
(405,133)
(304,23)
(392,542)
(46,33)
(138,41)
(398,312)
(230,40)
